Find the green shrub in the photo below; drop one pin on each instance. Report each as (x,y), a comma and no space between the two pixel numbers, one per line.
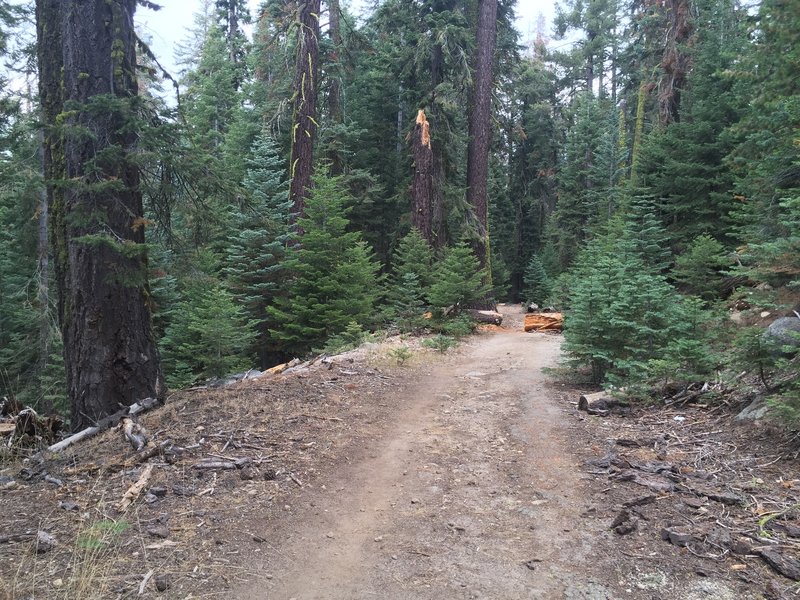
(352,337)
(440,343)
(401,354)
(209,336)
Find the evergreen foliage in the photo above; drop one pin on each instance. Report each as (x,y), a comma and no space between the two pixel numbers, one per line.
(458,279)
(617,179)
(623,315)
(333,277)
(537,283)
(254,254)
(701,267)
(209,336)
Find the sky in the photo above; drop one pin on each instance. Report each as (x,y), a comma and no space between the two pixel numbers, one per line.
(168,27)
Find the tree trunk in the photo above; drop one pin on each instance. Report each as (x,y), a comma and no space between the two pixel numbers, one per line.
(110,352)
(422,188)
(675,62)
(43,269)
(304,125)
(480,130)
(335,90)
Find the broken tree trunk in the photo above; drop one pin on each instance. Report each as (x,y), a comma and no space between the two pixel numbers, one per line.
(544,322)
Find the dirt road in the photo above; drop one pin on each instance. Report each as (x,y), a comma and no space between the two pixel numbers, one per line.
(470,492)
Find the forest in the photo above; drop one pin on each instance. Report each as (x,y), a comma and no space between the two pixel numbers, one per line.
(310,177)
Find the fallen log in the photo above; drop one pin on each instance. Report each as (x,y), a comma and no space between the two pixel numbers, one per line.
(544,321)
(105,423)
(485,316)
(599,403)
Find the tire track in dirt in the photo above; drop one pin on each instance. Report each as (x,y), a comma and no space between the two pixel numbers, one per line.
(472,491)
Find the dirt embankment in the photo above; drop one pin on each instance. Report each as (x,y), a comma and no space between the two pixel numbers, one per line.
(466,475)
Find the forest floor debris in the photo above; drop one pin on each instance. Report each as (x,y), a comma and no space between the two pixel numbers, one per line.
(451,479)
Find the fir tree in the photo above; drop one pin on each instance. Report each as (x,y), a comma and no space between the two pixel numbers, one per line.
(458,279)
(700,268)
(209,336)
(254,254)
(622,314)
(537,283)
(407,286)
(333,276)
(413,255)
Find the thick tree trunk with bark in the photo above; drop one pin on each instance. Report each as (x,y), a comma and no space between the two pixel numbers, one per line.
(110,351)
(304,124)
(422,187)
(480,129)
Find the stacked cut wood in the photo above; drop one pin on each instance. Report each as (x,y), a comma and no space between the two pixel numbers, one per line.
(552,321)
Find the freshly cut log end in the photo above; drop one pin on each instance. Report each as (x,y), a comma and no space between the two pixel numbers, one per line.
(544,322)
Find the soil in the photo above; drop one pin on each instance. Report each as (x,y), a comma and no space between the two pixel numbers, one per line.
(467,474)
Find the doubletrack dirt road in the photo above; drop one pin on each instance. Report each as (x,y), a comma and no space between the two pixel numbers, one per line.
(471,491)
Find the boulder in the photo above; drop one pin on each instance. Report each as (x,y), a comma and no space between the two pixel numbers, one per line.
(786,332)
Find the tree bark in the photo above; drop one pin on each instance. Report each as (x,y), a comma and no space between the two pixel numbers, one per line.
(304,125)
(89,77)
(422,188)
(675,62)
(335,89)
(480,130)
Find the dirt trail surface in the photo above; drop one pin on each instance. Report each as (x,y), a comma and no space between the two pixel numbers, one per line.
(465,475)
(470,492)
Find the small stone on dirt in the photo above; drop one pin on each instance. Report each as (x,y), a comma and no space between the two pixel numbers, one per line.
(159,531)
(158,492)
(162,583)
(44,542)
(248,474)
(57,583)
(415,501)
(677,536)
(68,505)
(379,538)
(330,535)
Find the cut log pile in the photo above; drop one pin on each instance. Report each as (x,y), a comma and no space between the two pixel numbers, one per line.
(551,321)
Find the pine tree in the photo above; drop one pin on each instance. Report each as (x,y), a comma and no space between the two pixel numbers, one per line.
(209,336)
(333,276)
(413,255)
(458,281)
(622,316)
(766,161)
(537,283)
(89,95)
(702,266)
(409,282)
(255,252)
